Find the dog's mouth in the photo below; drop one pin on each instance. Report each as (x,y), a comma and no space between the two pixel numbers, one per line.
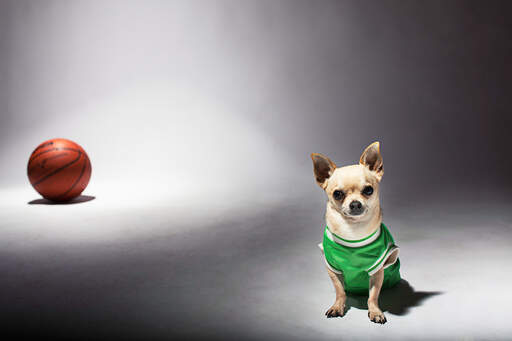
(354,215)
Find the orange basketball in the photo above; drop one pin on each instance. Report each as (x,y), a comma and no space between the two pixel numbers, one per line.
(59,169)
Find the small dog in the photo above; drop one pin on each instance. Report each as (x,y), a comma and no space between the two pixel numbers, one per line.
(359,252)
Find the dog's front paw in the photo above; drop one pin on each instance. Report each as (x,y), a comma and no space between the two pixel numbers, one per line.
(337,310)
(377,316)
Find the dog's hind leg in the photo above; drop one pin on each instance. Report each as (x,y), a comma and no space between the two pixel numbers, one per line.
(338,308)
(374,312)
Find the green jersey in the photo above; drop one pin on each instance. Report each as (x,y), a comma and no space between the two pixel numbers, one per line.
(357,260)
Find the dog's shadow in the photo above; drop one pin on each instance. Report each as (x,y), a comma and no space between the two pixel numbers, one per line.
(396,300)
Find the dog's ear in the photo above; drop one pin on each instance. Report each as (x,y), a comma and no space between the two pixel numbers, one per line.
(372,159)
(323,168)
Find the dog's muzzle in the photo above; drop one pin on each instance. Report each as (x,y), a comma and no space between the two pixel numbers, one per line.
(356,208)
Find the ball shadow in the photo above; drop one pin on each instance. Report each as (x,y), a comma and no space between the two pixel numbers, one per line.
(397,300)
(78,200)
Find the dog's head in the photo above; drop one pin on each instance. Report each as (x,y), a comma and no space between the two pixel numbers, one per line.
(352,190)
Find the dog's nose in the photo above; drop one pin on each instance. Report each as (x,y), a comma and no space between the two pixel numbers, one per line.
(356,207)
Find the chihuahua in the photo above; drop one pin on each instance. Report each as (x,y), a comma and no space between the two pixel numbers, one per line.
(359,252)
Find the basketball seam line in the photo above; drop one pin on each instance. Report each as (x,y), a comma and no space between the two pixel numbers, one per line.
(49,150)
(43,145)
(58,170)
(76,182)
(46,160)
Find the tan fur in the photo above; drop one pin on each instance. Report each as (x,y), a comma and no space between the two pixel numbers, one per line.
(352,180)
(338,308)
(374,312)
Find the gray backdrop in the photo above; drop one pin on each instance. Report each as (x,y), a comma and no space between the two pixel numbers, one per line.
(250,88)
(212,98)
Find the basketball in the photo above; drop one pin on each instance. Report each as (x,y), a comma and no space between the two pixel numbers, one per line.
(59,169)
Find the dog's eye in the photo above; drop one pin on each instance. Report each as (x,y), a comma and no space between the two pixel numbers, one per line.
(368,190)
(337,195)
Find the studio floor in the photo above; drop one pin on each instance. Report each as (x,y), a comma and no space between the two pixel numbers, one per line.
(242,268)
